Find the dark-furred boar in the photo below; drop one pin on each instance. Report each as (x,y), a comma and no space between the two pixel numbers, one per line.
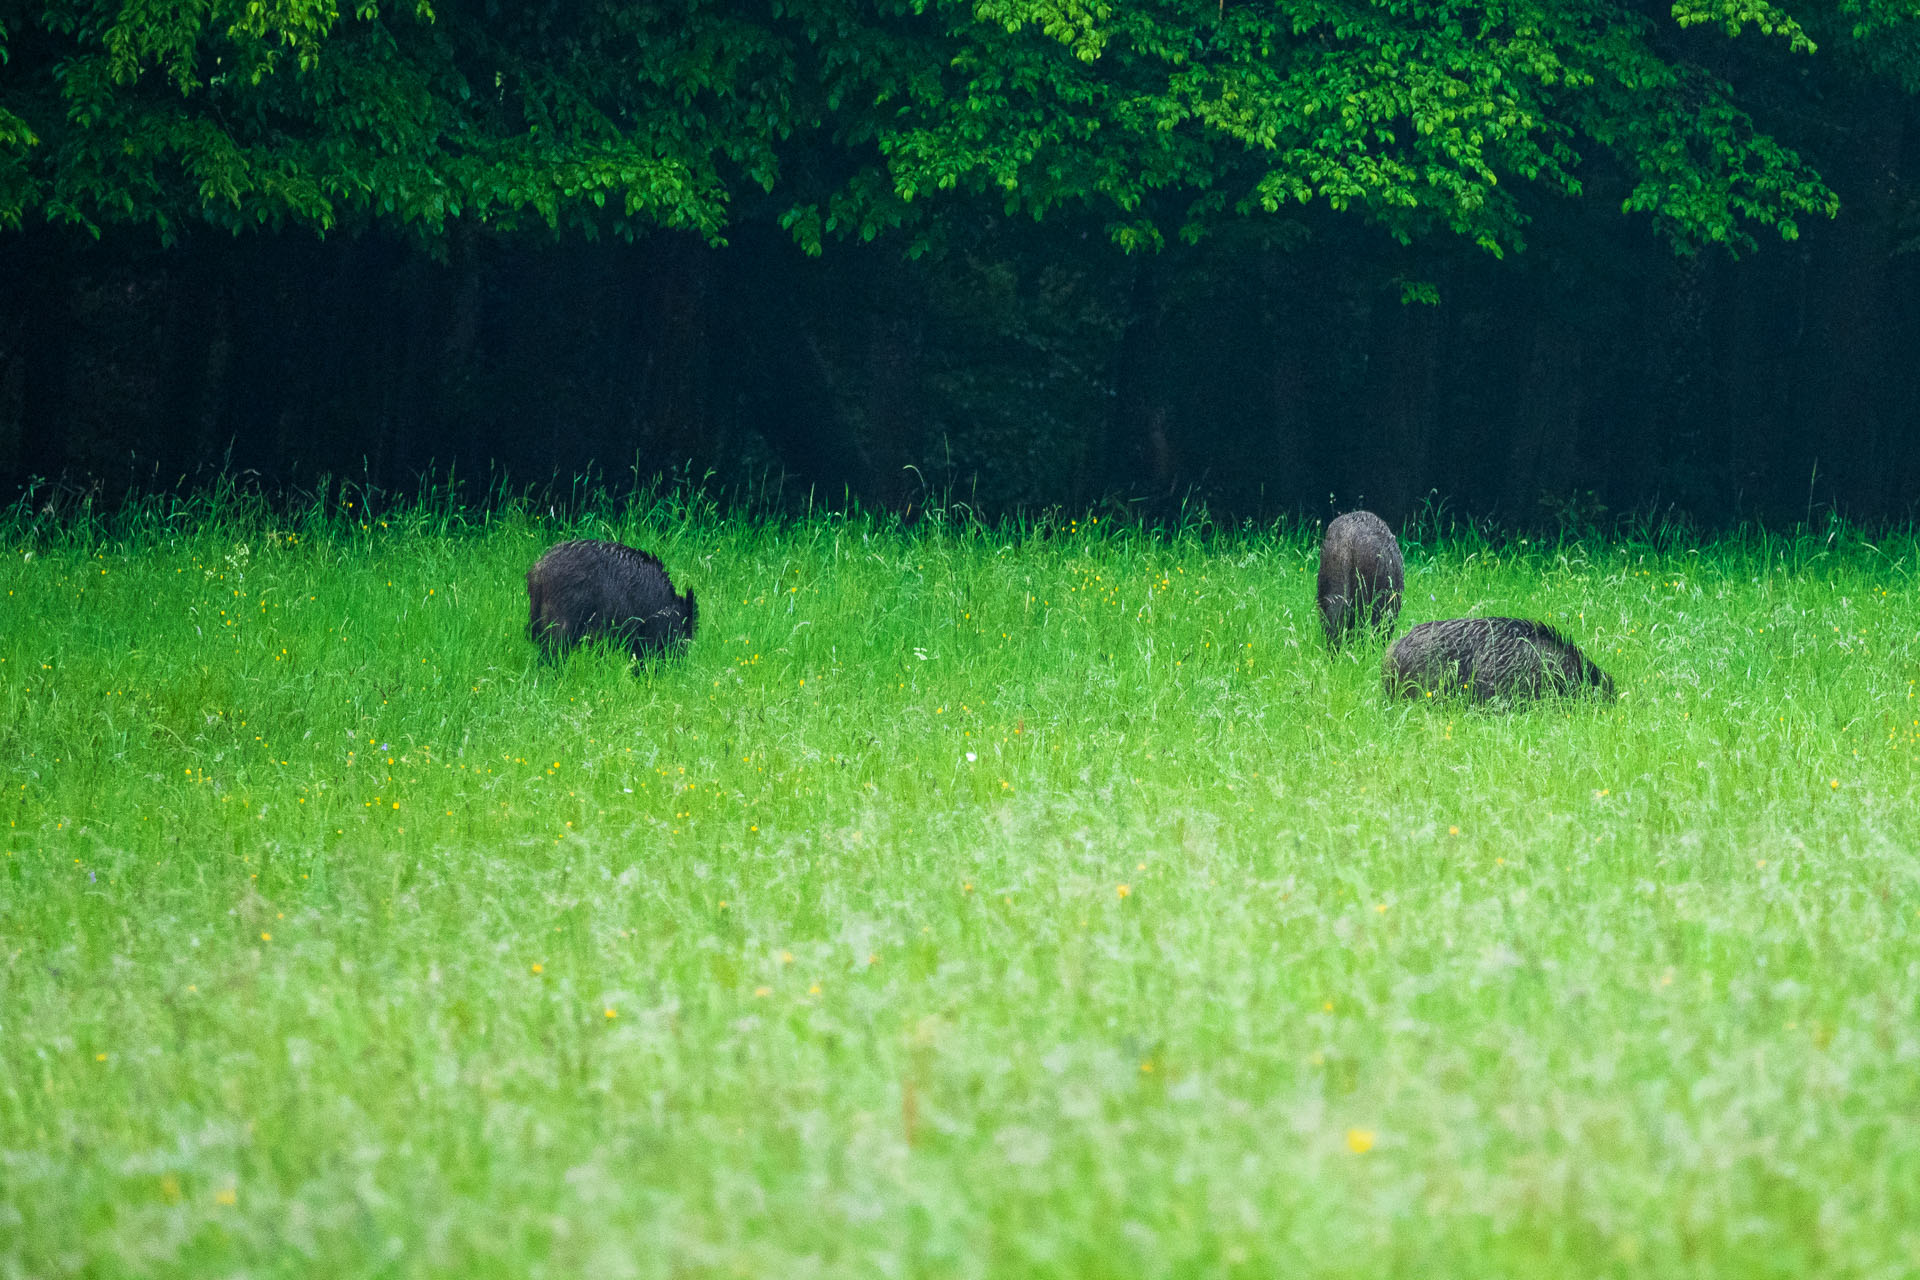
(1361,577)
(583,589)
(1490,659)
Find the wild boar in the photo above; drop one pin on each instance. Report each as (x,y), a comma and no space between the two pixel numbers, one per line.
(1361,577)
(1490,659)
(588,588)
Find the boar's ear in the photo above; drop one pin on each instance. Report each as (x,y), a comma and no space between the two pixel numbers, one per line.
(693,612)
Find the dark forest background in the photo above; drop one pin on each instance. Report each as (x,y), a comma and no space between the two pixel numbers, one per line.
(1699,293)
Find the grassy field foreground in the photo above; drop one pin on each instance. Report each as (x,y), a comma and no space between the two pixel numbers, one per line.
(964,903)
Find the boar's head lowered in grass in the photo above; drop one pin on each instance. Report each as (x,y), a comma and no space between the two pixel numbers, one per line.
(1490,659)
(580,590)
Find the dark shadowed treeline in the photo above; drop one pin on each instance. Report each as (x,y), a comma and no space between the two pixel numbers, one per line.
(1699,292)
(1542,389)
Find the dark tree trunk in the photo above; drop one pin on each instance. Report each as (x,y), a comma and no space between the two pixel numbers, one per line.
(1286,378)
(292,336)
(1846,356)
(362,362)
(459,350)
(895,409)
(1139,453)
(15,317)
(1489,343)
(1547,413)
(1407,367)
(46,357)
(200,340)
(387,303)
(415,428)
(1902,335)
(675,338)
(1659,392)
(1761,304)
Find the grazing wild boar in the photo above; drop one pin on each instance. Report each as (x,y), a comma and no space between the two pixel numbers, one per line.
(1490,659)
(583,589)
(1361,577)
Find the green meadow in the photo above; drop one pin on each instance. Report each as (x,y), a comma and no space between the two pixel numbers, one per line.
(1034,900)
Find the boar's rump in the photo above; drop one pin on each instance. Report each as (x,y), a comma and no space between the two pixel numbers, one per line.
(1361,577)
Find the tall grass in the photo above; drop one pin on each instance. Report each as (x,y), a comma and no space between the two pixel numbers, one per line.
(1032,900)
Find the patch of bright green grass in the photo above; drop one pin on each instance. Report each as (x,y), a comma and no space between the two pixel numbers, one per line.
(964,903)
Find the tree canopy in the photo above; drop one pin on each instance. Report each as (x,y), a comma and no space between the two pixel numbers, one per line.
(851,119)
